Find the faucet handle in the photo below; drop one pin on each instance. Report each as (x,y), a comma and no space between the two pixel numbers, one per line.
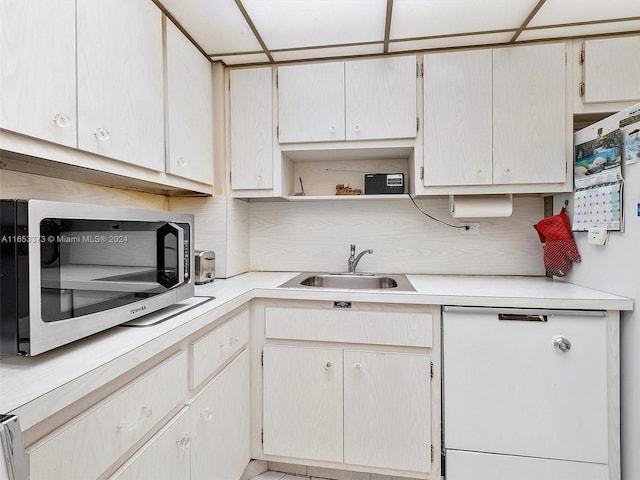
(353,248)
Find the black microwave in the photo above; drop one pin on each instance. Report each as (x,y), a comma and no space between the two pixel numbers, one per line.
(70,270)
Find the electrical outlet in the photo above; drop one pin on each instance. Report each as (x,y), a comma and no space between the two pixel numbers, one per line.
(474,228)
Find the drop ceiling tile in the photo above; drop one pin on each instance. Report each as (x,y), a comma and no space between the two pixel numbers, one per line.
(420,18)
(242,59)
(330,52)
(218,26)
(454,41)
(284,24)
(580,30)
(555,12)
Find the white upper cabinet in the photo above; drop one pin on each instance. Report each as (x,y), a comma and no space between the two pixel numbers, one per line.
(38,69)
(381,98)
(529,114)
(458,146)
(189,109)
(371,99)
(120,81)
(496,118)
(612,70)
(251,112)
(311,102)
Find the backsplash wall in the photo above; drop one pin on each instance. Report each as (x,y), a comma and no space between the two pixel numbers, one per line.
(315,236)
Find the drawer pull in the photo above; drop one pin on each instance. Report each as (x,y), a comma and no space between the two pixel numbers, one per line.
(522,318)
(184,441)
(328,365)
(561,344)
(232,341)
(358,367)
(206,414)
(145,413)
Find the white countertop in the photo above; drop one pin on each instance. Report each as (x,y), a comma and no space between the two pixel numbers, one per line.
(55,379)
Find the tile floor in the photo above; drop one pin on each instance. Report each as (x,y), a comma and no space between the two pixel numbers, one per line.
(301,472)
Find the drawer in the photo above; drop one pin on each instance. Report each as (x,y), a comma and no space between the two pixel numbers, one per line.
(350,326)
(211,351)
(473,466)
(92,442)
(165,457)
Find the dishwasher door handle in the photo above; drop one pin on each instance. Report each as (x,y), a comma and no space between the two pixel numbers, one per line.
(522,318)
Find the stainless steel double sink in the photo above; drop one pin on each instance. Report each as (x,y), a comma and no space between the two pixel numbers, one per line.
(350,281)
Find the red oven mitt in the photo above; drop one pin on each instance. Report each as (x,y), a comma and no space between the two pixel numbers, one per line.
(559,246)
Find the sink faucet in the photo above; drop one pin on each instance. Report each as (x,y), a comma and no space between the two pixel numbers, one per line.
(353,259)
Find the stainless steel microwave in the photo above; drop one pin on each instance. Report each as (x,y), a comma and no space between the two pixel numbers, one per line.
(69,270)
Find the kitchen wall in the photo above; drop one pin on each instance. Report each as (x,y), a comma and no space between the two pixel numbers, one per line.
(615,268)
(222,225)
(315,236)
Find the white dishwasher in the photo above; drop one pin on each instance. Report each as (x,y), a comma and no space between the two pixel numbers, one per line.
(525,394)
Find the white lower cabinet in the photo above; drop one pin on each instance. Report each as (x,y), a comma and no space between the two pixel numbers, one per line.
(351,403)
(303,402)
(167,456)
(208,440)
(387,410)
(220,429)
(357,407)
(186,418)
(98,438)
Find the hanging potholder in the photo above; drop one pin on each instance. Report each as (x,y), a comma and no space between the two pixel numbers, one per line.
(559,246)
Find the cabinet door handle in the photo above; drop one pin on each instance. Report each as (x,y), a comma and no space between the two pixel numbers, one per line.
(206,414)
(522,318)
(328,365)
(62,120)
(102,134)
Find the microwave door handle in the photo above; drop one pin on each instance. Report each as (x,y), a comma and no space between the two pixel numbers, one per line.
(180,254)
(162,233)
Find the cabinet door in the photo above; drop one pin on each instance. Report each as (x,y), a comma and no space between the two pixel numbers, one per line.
(458,147)
(302,389)
(311,102)
(165,457)
(612,70)
(189,109)
(529,114)
(220,430)
(387,414)
(251,129)
(381,98)
(38,69)
(120,81)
